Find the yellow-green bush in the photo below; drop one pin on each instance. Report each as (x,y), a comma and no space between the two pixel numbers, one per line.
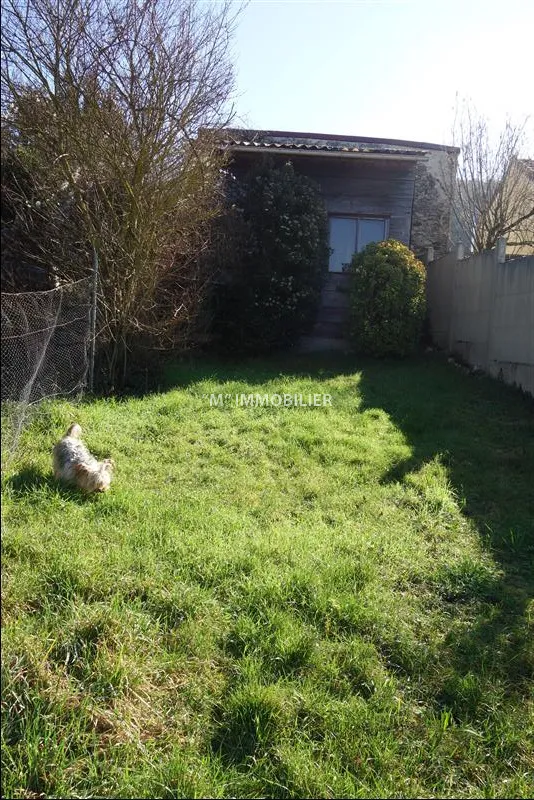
(387,299)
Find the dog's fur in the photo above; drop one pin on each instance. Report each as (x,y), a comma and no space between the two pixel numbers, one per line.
(73,463)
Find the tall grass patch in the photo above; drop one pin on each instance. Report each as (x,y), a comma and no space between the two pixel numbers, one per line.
(325,602)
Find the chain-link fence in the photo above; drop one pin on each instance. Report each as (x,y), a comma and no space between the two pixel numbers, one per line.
(45,349)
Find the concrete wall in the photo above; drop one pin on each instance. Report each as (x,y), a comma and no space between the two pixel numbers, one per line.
(482,309)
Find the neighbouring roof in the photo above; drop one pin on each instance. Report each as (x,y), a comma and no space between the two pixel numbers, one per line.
(328,143)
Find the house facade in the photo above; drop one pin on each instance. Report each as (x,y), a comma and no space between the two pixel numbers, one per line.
(506,204)
(520,197)
(373,189)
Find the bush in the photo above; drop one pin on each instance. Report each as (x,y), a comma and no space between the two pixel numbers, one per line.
(387,299)
(275,263)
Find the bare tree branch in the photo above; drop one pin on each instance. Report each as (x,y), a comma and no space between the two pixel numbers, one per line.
(102,104)
(493,194)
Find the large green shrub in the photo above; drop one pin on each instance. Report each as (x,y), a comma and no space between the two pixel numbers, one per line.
(387,299)
(275,263)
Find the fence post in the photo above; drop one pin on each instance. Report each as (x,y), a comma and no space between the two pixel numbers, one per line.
(429,254)
(499,257)
(501,250)
(92,332)
(458,254)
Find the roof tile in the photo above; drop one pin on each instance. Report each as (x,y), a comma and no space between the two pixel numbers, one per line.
(324,143)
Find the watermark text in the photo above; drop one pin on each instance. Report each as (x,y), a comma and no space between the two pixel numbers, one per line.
(286,400)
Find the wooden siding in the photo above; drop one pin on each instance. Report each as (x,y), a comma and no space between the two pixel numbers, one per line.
(354,188)
(359,188)
(332,318)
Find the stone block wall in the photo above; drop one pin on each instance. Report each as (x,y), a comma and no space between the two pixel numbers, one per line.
(431,212)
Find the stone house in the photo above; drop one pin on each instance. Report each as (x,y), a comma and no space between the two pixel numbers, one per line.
(520,198)
(513,200)
(374,189)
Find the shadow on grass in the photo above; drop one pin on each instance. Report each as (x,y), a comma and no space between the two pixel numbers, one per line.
(31,481)
(482,430)
(483,433)
(257,371)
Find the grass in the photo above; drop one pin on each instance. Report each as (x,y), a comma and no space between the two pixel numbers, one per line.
(270,602)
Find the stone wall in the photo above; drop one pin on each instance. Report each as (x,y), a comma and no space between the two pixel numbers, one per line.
(432,213)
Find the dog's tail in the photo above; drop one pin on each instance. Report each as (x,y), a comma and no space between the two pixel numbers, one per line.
(74,430)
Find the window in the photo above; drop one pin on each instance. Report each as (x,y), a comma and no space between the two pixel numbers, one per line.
(349,235)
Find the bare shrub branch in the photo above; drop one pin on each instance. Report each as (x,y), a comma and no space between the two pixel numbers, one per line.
(103,104)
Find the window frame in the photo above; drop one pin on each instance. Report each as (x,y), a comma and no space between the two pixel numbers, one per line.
(357,218)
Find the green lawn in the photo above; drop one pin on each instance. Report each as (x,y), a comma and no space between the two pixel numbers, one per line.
(299,602)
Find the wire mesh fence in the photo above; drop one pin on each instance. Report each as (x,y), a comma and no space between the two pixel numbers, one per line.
(45,350)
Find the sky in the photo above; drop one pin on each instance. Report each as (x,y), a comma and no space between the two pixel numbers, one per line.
(384,68)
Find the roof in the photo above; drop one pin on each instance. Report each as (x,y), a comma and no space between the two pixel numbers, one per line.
(327,143)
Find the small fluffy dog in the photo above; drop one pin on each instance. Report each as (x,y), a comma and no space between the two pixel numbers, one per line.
(74,463)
